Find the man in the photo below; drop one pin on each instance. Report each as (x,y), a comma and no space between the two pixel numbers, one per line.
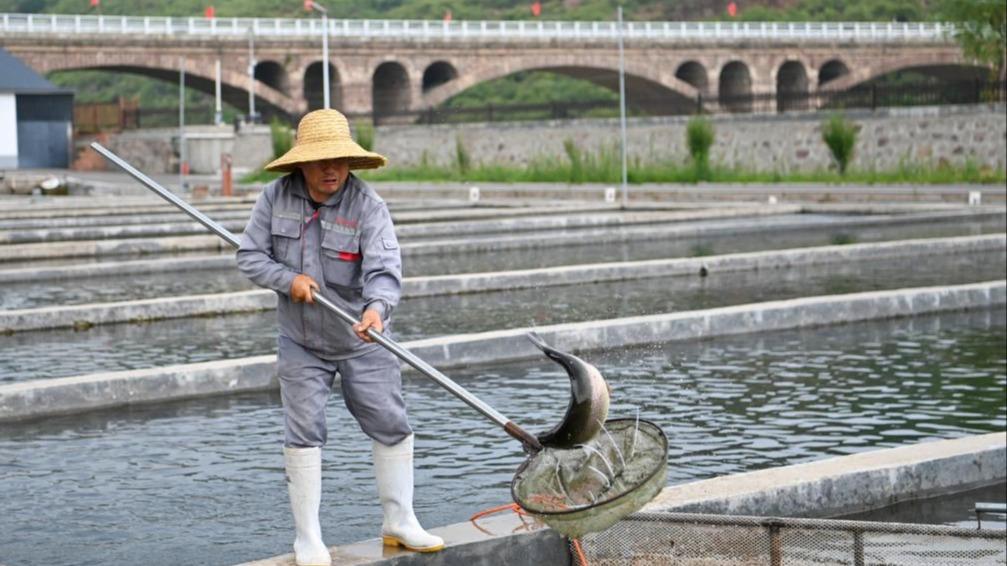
(319,228)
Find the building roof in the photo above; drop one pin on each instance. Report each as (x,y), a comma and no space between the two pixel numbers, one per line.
(19,78)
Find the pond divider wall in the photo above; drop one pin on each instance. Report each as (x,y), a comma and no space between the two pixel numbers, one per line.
(823,488)
(510,241)
(82,316)
(43,397)
(847,484)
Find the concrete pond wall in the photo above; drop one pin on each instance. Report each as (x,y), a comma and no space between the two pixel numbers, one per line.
(818,489)
(38,398)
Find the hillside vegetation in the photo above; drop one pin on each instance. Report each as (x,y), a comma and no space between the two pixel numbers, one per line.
(813,10)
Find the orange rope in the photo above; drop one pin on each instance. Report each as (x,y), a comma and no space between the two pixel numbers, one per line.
(510,506)
(575,543)
(581,559)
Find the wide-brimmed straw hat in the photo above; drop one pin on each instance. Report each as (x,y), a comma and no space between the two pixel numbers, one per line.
(325,134)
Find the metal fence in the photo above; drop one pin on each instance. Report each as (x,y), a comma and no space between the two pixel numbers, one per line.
(240,28)
(686,539)
(116,116)
(868,97)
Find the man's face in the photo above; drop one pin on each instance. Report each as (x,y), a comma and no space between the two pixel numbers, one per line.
(325,177)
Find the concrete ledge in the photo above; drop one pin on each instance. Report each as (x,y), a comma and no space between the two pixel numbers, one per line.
(451,223)
(586,236)
(43,397)
(502,539)
(117,268)
(706,192)
(112,389)
(619,271)
(847,484)
(823,488)
(245,301)
(84,316)
(506,345)
(100,248)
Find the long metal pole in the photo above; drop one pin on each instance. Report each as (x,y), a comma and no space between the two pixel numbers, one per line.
(325,57)
(182,156)
(622,113)
(218,115)
(528,440)
(251,75)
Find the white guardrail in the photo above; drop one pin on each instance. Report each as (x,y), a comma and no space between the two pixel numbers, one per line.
(62,24)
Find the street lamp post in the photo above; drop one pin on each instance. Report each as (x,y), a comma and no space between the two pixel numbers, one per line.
(251,75)
(312,5)
(622,111)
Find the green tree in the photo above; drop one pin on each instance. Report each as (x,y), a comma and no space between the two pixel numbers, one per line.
(980,28)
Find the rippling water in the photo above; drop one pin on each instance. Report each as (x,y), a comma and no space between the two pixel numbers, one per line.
(201,482)
(56,353)
(47,293)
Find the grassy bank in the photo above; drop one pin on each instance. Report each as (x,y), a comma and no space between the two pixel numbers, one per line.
(593,170)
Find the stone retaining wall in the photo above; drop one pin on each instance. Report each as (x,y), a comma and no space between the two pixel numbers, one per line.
(888,138)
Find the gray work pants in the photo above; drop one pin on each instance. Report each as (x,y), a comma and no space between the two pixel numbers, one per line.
(372,390)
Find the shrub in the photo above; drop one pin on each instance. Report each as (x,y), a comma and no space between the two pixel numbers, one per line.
(576,157)
(841,136)
(699,136)
(462,159)
(364,135)
(283,136)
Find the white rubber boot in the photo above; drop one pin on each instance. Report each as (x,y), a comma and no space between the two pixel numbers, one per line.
(393,467)
(304,482)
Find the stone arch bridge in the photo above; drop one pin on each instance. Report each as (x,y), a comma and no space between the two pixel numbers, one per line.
(386,67)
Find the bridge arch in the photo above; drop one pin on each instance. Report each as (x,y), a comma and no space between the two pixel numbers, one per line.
(952,70)
(695,74)
(832,70)
(791,86)
(233,87)
(735,87)
(646,87)
(390,89)
(438,73)
(314,86)
(273,75)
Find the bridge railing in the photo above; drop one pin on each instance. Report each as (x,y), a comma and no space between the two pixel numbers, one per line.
(293,28)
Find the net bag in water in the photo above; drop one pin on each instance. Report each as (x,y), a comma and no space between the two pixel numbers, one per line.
(588,488)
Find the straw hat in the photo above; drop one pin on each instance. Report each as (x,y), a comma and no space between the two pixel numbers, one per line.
(325,134)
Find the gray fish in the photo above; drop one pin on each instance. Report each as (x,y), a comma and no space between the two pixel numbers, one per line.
(589,399)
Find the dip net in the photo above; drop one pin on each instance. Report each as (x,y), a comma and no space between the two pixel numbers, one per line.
(686,539)
(590,487)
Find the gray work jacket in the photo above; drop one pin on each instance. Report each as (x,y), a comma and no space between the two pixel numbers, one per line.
(349,248)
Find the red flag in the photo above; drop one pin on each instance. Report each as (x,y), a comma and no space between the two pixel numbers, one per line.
(536,9)
(732,9)
(209,12)
(447,15)
(94,3)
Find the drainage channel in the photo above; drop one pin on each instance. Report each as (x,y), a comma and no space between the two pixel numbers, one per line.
(29,286)
(201,481)
(167,342)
